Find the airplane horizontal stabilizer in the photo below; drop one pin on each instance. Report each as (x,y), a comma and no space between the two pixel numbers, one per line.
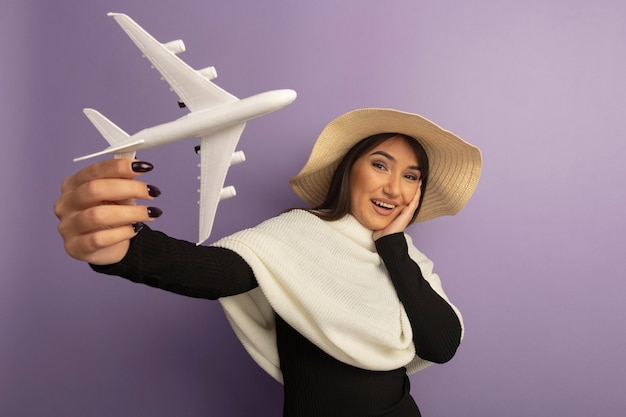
(112,149)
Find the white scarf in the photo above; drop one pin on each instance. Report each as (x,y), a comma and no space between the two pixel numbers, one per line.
(328,282)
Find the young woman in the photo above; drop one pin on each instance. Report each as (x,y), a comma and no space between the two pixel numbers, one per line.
(333,301)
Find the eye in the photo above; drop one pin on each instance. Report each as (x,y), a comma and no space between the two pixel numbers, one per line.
(412,177)
(379,165)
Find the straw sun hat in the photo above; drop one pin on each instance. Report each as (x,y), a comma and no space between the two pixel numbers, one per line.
(454,164)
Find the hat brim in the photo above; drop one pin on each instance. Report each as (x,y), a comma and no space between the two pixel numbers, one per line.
(455,165)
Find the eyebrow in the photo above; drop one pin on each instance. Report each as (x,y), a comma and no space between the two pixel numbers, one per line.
(391,158)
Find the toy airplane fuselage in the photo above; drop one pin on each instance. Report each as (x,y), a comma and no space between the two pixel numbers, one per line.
(198,124)
(216,117)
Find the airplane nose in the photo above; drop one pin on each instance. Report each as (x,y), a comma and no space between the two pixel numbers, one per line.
(277,99)
(287,96)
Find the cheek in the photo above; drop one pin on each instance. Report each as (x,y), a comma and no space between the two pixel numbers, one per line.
(355,193)
(358,181)
(409,192)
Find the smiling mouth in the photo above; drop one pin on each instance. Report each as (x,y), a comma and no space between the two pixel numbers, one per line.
(383,205)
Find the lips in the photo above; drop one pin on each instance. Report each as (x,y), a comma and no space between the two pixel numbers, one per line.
(382,206)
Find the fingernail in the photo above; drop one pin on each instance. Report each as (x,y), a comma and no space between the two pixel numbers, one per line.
(137,226)
(154,212)
(153,191)
(141,166)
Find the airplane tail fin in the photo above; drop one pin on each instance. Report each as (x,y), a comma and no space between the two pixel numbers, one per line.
(110,131)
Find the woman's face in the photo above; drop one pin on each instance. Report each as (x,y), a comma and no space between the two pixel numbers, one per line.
(382,182)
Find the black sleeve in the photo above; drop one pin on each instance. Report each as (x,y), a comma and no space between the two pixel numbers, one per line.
(178,266)
(436,327)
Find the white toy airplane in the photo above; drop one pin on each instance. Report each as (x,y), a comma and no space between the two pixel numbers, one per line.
(217,118)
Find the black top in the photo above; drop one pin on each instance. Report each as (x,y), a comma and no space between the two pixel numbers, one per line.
(315,383)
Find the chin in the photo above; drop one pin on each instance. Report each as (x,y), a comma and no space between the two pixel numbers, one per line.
(373,222)
(376,225)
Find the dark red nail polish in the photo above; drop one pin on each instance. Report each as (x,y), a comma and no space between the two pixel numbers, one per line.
(154,212)
(141,166)
(137,226)
(153,191)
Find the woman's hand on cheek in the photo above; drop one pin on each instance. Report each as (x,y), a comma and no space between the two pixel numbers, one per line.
(97,211)
(400,223)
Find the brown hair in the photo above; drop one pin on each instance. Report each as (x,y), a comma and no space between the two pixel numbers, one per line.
(337,202)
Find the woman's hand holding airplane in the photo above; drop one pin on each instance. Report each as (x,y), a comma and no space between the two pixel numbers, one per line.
(97,211)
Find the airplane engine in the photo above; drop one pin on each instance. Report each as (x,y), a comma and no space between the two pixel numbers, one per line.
(208,72)
(175,47)
(227,192)
(237,158)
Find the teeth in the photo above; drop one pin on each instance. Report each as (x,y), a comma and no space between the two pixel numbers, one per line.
(383,205)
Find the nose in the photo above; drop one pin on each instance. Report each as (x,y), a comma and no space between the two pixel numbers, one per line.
(392,187)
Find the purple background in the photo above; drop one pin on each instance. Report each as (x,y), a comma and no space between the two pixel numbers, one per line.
(534,261)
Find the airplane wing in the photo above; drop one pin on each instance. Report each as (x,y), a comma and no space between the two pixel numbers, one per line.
(197,92)
(216,152)
(193,87)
